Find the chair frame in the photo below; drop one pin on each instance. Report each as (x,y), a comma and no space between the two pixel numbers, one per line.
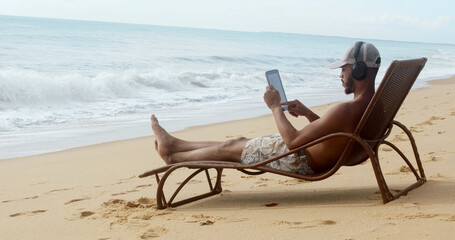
(370,146)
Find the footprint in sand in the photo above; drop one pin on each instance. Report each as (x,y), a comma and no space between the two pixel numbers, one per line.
(86,214)
(433,159)
(410,205)
(437,118)
(328,222)
(405,169)
(192,181)
(29,213)
(416,129)
(142,202)
(386,149)
(153,233)
(431,121)
(438,175)
(16,214)
(203,220)
(310,224)
(215,177)
(28,198)
(58,190)
(77,200)
(248,176)
(235,220)
(122,209)
(291,182)
(442,217)
(123,193)
(37,183)
(144,186)
(261,182)
(134,215)
(125,180)
(265,179)
(399,138)
(402,170)
(14,200)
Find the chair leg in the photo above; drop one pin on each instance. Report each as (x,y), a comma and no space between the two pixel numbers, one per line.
(414,148)
(387,196)
(160,196)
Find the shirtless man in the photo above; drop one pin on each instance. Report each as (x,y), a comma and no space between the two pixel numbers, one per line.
(343,117)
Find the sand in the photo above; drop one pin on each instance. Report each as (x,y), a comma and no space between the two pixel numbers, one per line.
(94,193)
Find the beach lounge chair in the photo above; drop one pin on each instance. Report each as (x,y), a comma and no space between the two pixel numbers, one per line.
(372,131)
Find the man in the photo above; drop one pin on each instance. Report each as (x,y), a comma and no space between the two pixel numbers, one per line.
(359,67)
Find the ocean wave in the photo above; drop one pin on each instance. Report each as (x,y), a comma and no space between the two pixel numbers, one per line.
(445,58)
(258,60)
(30,98)
(29,87)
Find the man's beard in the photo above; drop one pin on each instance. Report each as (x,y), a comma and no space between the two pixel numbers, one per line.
(348,85)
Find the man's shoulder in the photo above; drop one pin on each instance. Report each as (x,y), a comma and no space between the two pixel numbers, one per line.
(341,108)
(351,107)
(345,113)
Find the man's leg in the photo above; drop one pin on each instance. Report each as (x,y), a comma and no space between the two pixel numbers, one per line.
(175,144)
(230,151)
(172,149)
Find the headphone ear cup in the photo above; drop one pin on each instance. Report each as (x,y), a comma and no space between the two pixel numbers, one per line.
(359,70)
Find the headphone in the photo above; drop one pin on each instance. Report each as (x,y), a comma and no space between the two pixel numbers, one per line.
(359,68)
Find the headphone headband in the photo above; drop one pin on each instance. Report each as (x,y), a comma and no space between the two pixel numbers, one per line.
(359,68)
(358,45)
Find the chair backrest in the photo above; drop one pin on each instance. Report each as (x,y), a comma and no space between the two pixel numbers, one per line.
(384,105)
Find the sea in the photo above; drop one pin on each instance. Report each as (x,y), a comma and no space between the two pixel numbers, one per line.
(71,83)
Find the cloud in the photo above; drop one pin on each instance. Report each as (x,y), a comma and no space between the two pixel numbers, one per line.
(435,23)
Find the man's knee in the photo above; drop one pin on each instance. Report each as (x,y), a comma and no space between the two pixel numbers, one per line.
(231,150)
(232,144)
(240,139)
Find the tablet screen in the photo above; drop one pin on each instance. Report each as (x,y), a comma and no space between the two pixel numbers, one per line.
(273,77)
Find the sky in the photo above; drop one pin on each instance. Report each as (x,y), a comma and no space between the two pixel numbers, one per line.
(401,20)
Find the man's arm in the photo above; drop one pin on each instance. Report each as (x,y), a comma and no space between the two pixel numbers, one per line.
(331,122)
(296,109)
(285,128)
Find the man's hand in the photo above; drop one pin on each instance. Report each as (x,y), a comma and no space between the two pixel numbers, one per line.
(296,108)
(272,97)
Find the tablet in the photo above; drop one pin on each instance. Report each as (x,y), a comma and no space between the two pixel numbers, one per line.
(273,78)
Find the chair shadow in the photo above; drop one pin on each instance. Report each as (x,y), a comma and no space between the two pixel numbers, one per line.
(301,198)
(346,197)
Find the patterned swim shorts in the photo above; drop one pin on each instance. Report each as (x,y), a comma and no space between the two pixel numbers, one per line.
(262,148)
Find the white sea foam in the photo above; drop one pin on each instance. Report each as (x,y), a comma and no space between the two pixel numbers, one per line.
(30,98)
(28,87)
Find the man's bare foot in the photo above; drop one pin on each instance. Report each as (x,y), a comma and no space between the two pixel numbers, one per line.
(164,142)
